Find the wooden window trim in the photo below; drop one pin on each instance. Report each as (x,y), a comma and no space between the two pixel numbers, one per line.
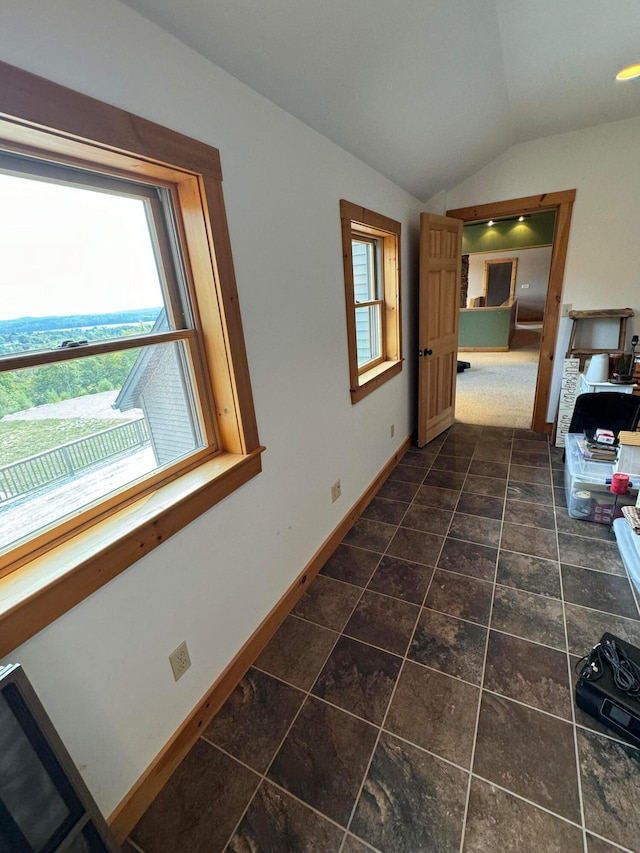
(357,222)
(41,119)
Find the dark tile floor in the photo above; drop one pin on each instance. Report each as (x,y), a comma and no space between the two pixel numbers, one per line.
(419,697)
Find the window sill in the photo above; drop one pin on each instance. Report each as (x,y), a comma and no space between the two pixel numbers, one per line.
(40,591)
(374,378)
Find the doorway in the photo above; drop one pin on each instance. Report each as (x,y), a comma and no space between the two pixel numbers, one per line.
(501,340)
(499,280)
(562,203)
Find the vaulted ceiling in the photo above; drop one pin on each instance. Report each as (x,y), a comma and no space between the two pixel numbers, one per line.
(424,91)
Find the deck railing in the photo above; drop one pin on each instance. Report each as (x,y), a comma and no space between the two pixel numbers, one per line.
(60,463)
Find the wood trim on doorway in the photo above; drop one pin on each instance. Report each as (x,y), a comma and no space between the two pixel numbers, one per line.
(562,203)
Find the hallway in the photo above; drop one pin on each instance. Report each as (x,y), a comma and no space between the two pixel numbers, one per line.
(419,697)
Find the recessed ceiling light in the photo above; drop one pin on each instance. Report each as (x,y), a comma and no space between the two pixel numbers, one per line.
(521,219)
(490,223)
(629,73)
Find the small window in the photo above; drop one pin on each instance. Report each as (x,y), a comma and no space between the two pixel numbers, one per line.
(372,290)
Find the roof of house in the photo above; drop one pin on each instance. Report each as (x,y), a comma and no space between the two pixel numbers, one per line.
(133,386)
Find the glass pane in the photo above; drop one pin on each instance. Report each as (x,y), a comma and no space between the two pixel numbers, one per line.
(77,431)
(364,272)
(368,338)
(77,264)
(27,792)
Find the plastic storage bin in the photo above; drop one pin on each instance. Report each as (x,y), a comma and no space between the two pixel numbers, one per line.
(629,547)
(588,495)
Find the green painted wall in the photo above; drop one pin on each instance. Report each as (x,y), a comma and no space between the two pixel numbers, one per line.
(479,328)
(509,234)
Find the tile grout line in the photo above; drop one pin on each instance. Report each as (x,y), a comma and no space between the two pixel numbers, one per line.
(484,666)
(263,776)
(421,609)
(571,703)
(431,669)
(377,741)
(523,799)
(410,743)
(410,504)
(275,785)
(441,672)
(393,693)
(308,693)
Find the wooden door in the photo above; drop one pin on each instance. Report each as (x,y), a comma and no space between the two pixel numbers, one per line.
(440,260)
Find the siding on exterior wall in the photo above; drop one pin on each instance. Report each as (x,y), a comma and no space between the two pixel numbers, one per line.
(361,294)
(169,418)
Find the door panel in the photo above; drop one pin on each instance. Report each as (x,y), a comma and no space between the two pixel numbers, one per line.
(440,260)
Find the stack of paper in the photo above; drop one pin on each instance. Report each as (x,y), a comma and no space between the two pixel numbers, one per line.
(596,452)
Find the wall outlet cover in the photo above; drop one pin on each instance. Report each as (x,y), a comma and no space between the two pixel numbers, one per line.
(180,660)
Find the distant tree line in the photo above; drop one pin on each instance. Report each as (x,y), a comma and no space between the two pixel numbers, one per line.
(23,389)
(71,322)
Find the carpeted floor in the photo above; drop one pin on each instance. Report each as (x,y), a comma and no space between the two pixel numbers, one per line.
(499,387)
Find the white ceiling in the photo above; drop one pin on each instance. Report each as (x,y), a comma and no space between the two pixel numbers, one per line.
(425,91)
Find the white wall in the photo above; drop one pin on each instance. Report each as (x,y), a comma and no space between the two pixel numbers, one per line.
(102,670)
(533,269)
(603,260)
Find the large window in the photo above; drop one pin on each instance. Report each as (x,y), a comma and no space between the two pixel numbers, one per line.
(99,356)
(371,249)
(125,403)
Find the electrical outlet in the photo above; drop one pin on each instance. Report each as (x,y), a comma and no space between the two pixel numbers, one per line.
(393,430)
(566,308)
(336,491)
(180,660)
(524,286)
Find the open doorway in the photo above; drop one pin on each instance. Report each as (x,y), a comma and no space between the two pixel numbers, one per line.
(562,204)
(508,266)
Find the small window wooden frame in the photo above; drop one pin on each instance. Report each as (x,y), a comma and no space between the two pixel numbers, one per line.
(497,262)
(44,578)
(358,222)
